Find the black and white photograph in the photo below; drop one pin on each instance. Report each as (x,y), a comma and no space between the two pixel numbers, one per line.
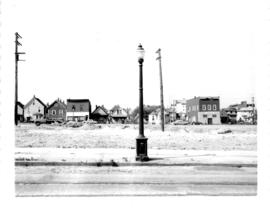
(135,99)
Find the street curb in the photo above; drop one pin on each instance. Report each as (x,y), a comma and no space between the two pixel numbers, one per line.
(115,164)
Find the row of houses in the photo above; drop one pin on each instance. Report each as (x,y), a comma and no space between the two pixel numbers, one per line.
(204,110)
(72,110)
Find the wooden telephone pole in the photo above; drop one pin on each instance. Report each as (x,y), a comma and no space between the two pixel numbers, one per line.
(161,90)
(17,43)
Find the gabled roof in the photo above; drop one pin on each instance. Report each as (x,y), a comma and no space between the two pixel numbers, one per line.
(34,98)
(57,101)
(102,108)
(20,104)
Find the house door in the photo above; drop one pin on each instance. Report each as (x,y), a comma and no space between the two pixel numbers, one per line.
(210,121)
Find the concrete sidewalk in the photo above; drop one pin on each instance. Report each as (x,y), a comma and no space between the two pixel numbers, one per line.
(126,157)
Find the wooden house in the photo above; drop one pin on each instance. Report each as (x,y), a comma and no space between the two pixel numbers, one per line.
(34,109)
(57,111)
(154,117)
(78,110)
(100,114)
(118,115)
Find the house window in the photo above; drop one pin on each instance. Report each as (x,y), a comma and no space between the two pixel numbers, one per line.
(205,116)
(81,108)
(209,107)
(153,117)
(61,112)
(73,108)
(203,107)
(53,112)
(214,115)
(214,107)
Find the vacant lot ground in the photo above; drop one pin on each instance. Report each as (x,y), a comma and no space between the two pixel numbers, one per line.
(188,137)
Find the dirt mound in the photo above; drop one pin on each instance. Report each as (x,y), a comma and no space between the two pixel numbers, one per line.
(90,126)
(73,124)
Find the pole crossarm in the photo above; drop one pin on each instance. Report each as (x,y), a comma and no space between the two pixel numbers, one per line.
(18,35)
(18,43)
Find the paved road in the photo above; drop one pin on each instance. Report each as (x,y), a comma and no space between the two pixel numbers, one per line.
(135,180)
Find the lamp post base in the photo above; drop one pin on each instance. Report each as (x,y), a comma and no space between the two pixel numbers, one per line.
(141,149)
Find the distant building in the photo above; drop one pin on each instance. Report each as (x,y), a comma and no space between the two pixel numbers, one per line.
(246,112)
(178,110)
(205,110)
(154,118)
(20,112)
(118,114)
(34,109)
(228,115)
(78,109)
(243,104)
(57,111)
(100,114)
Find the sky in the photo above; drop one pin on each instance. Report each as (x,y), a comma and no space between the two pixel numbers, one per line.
(87,49)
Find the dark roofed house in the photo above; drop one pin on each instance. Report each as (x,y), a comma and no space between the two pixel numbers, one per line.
(100,114)
(78,109)
(34,109)
(57,111)
(118,114)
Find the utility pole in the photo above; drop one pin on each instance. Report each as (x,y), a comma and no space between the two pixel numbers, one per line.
(161,89)
(17,43)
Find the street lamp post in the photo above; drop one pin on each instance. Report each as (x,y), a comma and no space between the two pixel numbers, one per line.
(141,140)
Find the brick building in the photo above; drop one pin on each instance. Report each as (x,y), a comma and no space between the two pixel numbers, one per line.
(205,110)
(57,111)
(78,109)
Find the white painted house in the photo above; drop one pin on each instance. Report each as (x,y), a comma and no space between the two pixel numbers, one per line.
(34,109)
(245,114)
(154,118)
(180,108)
